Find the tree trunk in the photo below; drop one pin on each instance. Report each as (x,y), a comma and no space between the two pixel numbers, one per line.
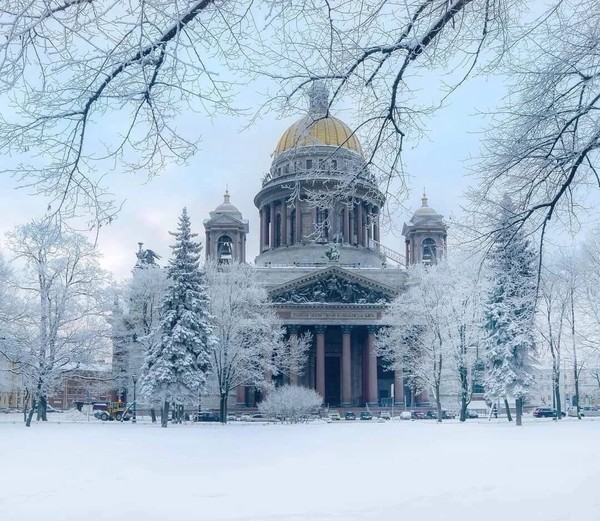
(43,409)
(164,420)
(575,366)
(223,407)
(464,392)
(519,411)
(30,415)
(507,407)
(153,415)
(556,385)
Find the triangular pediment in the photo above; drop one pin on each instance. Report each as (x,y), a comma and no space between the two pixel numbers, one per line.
(332,285)
(225,219)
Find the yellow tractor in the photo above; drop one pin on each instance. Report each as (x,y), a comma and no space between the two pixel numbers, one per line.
(118,411)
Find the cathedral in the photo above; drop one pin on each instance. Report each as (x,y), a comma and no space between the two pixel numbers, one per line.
(323,265)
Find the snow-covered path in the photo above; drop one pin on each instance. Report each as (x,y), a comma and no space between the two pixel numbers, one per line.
(321,472)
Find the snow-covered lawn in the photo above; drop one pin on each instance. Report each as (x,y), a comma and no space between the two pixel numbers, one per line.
(320,472)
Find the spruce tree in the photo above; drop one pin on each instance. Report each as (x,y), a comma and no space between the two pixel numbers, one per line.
(175,368)
(509,312)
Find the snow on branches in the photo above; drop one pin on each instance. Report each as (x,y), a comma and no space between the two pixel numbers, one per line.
(176,367)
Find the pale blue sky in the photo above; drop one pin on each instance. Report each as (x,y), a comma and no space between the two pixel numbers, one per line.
(238,158)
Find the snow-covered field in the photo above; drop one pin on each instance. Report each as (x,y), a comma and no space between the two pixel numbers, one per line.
(320,472)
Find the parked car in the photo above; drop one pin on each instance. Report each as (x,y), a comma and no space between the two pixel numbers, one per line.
(545,412)
(245,417)
(448,415)
(259,418)
(207,416)
(406,415)
(385,415)
(418,415)
(349,416)
(231,417)
(334,415)
(584,411)
(472,414)
(366,415)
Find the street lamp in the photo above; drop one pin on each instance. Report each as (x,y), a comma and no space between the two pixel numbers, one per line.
(134,419)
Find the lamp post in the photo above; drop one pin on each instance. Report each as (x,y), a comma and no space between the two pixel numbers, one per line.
(134,419)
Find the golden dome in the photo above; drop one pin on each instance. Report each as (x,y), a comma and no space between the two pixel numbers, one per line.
(322,131)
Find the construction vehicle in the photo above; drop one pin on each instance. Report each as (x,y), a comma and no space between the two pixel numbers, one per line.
(118,411)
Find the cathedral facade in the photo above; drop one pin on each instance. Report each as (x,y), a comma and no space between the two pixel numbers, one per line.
(321,259)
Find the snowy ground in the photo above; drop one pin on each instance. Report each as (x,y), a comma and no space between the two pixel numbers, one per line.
(350,471)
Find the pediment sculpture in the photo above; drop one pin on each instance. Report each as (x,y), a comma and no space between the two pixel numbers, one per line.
(332,289)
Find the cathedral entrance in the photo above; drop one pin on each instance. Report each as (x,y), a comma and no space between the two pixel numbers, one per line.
(333,381)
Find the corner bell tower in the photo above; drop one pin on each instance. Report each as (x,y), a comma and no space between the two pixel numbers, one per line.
(226,232)
(425,235)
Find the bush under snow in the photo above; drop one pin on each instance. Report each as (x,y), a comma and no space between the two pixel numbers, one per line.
(291,403)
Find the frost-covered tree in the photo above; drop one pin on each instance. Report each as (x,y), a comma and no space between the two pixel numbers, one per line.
(545,141)
(510,312)
(64,286)
(250,340)
(135,321)
(176,367)
(435,329)
(291,403)
(139,65)
(553,326)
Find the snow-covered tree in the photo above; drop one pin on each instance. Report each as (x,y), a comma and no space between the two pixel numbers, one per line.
(435,329)
(553,326)
(291,403)
(176,367)
(138,65)
(65,325)
(545,141)
(510,312)
(250,340)
(135,321)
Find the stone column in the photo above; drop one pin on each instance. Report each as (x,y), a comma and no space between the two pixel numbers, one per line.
(260,231)
(298,222)
(268,376)
(376,224)
(398,387)
(293,370)
(207,245)
(347,238)
(372,397)
(273,240)
(407,254)
(240,396)
(264,227)
(320,330)
(284,219)
(369,215)
(346,367)
(359,216)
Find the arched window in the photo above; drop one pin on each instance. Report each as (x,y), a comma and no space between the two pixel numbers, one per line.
(224,249)
(322,223)
(429,251)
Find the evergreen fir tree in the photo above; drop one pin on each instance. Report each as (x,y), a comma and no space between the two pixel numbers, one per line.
(175,368)
(509,313)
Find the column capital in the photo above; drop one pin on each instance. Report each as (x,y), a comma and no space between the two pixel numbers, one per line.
(373,329)
(346,329)
(320,330)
